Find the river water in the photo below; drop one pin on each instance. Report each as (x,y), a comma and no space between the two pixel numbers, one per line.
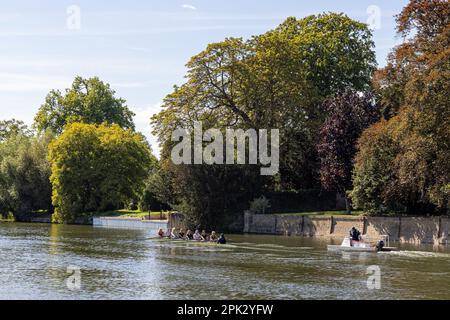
(42,262)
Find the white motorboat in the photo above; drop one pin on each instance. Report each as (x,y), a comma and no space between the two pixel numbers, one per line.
(364,245)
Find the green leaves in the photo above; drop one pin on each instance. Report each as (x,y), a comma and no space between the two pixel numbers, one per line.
(275,80)
(9,128)
(88,101)
(96,167)
(24,174)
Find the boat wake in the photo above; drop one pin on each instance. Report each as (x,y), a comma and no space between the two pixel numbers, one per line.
(420,254)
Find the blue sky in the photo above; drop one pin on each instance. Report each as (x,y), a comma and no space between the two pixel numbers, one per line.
(139,47)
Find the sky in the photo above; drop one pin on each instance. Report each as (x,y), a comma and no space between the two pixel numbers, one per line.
(140,47)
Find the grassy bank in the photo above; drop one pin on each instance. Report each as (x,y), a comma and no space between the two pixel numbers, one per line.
(343,214)
(129,214)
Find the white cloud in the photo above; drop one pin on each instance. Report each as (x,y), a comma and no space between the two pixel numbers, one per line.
(142,121)
(18,82)
(189,6)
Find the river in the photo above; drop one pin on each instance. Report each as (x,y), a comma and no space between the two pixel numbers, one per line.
(39,261)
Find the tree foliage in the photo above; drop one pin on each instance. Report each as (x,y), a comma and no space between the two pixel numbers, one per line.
(375,173)
(414,87)
(24,174)
(275,80)
(424,24)
(95,168)
(349,114)
(158,192)
(12,127)
(89,101)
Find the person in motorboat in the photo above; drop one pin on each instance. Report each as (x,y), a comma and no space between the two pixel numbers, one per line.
(380,245)
(198,236)
(222,239)
(213,237)
(355,235)
(189,235)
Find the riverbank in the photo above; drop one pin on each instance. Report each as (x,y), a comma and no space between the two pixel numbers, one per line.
(334,225)
(87,219)
(432,230)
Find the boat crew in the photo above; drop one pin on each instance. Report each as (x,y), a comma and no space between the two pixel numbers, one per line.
(204,235)
(161,233)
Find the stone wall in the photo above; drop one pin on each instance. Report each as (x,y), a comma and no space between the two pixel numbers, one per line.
(404,229)
(48,219)
(131,224)
(376,226)
(419,229)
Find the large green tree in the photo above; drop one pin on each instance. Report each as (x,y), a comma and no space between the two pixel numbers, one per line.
(24,174)
(375,174)
(88,101)
(158,192)
(277,80)
(95,168)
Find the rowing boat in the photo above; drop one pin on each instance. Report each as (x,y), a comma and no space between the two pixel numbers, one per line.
(190,242)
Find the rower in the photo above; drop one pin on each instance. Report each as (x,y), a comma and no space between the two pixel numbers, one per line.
(213,236)
(181,234)
(198,236)
(189,235)
(222,239)
(161,233)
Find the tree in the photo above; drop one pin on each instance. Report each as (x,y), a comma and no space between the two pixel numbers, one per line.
(275,80)
(95,168)
(424,24)
(12,127)
(158,192)
(375,170)
(349,114)
(24,174)
(89,101)
(414,87)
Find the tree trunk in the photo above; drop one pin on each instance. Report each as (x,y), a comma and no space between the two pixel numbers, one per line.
(348,207)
